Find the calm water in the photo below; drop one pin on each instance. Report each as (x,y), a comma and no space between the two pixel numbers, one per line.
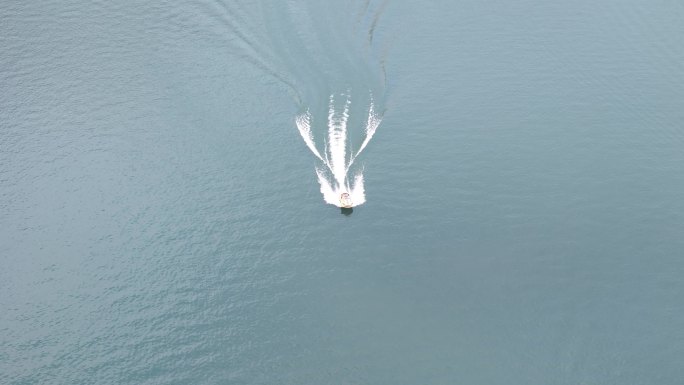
(161,221)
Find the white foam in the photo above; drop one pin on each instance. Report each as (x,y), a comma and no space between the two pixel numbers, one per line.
(334,180)
(337,140)
(371,125)
(303,122)
(330,194)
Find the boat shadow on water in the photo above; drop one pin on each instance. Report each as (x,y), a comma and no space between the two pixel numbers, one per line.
(346,211)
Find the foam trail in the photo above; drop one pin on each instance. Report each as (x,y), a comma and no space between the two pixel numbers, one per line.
(372,124)
(304,126)
(358,193)
(330,194)
(333,177)
(337,141)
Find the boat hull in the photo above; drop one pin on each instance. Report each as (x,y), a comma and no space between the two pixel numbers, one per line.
(345,201)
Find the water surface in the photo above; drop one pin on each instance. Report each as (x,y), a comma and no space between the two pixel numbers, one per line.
(162,221)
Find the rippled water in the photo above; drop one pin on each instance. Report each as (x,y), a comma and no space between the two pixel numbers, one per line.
(161,219)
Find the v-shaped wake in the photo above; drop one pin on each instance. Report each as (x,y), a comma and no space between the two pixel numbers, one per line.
(338,154)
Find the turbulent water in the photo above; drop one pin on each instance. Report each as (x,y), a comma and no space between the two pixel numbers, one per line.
(333,60)
(519,163)
(338,155)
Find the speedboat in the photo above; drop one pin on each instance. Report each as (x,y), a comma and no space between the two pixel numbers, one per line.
(345,201)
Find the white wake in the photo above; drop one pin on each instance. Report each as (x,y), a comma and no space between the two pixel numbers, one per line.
(333,175)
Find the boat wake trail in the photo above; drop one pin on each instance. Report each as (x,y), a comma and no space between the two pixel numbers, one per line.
(335,173)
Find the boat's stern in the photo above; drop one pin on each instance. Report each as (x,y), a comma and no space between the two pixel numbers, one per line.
(345,201)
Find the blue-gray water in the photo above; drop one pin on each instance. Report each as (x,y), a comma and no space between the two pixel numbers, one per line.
(161,221)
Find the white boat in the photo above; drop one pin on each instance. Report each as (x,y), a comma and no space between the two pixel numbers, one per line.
(345,201)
